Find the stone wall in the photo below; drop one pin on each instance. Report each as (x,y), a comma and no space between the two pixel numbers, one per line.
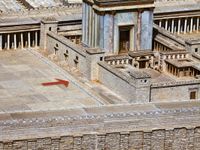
(193,45)
(131,89)
(174,91)
(153,126)
(73,54)
(174,139)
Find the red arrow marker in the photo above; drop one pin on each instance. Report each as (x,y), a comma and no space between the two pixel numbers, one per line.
(59,81)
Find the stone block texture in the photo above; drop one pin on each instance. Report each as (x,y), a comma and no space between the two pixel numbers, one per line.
(174,139)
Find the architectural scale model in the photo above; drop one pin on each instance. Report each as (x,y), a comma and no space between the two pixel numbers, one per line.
(99,75)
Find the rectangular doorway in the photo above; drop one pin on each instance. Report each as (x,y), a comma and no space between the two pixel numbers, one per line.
(142,64)
(124,39)
(193,95)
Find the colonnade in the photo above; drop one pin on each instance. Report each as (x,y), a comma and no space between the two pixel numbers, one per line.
(180,25)
(181,72)
(160,47)
(19,40)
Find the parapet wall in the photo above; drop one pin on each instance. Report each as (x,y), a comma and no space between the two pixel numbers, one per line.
(174,139)
(122,84)
(174,91)
(74,55)
(152,126)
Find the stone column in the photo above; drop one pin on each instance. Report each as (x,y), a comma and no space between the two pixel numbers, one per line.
(185,26)
(138,39)
(86,25)
(8,41)
(101,32)
(157,46)
(166,24)
(29,40)
(93,36)
(108,32)
(197,24)
(36,39)
(83,23)
(172,26)
(22,41)
(96,30)
(179,25)
(90,26)
(0,42)
(191,25)
(160,23)
(15,41)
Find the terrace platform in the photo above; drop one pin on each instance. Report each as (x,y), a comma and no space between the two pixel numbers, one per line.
(21,76)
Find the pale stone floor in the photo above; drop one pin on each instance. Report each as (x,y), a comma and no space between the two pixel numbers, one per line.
(158,77)
(21,75)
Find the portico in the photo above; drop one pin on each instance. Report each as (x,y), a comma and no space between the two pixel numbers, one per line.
(16,40)
(180,25)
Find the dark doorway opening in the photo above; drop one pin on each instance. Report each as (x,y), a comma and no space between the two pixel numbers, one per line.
(142,64)
(124,39)
(193,95)
(143,61)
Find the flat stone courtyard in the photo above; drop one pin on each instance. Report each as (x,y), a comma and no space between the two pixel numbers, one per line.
(21,76)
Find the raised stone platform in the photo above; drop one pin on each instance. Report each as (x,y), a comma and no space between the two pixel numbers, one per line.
(99,120)
(21,76)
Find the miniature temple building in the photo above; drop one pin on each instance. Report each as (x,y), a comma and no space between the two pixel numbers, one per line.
(118,26)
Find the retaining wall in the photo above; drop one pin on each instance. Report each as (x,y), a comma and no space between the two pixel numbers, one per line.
(175,139)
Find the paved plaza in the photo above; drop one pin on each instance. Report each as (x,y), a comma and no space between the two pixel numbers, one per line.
(21,76)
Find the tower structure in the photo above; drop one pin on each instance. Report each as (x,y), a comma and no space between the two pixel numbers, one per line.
(118,26)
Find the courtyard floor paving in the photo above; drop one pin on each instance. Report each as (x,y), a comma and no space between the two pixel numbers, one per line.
(21,76)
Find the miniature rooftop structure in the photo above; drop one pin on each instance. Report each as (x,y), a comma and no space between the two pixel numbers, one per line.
(105,25)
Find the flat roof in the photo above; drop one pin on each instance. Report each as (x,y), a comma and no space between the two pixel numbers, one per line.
(18,21)
(176,7)
(180,63)
(133,72)
(10,21)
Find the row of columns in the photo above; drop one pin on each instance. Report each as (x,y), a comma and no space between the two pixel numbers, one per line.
(180,25)
(160,47)
(180,72)
(19,40)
